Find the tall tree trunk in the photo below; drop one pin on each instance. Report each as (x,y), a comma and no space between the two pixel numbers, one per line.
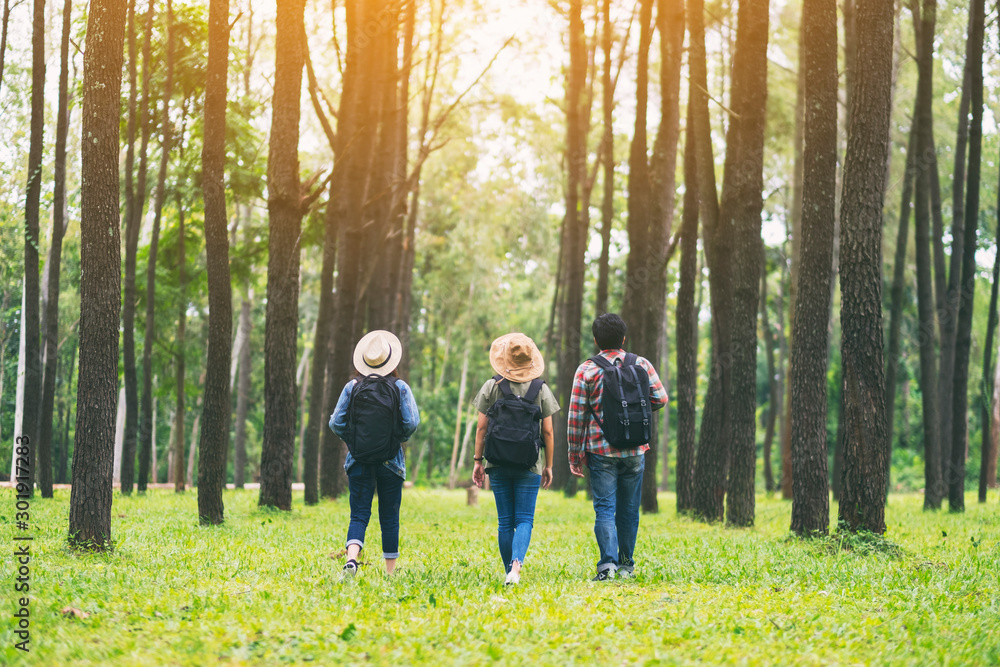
(576,232)
(773,398)
(131,224)
(302,376)
(284,224)
(64,450)
(214,442)
(135,223)
(712,464)
(743,212)
(242,400)
(662,176)
(949,329)
(458,414)
(926,308)
(54,263)
(146,423)
(359,135)
(687,322)
(179,352)
(896,294)
(608,153)
(862,504)
(810,327)
(963,333)
(317,420)
(3,37)
(100,280)
(798,139)
(39,452)
(991,463)
(987,453)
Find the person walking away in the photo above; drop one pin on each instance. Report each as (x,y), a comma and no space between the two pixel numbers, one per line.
(375,414)
(609,425)
(514,443)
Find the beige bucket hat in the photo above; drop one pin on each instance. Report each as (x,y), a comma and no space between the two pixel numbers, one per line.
(378,353)
(515,357)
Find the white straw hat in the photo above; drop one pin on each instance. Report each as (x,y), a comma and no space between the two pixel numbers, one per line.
(378,353)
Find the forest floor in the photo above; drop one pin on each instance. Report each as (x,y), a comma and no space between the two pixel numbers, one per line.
(266,588)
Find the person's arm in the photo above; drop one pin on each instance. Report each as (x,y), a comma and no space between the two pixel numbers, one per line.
(576,423)
(550,448)
(338,420)
(478,471)
(408,406)
(657,393)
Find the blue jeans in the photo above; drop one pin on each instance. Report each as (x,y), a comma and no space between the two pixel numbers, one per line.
(363,479)
(617,487)
(515,492)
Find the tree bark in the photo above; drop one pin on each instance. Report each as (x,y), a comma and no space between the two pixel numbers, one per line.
(100,279)
(3,37)
(742,210)
(608,153)
(926,308)
(61,477)
(214,442)
(963,332)
(896,294)
(862,505)
(146,422)
(773,397)
(242,399)
(712,464)
(39,452)
(54,263)
(131,224)
(991,463)
(284,224)
(687,323)
(135,220)
(810,327)
(575,225)
(179,352)
(787,468)
(359,134)
(987,453)
(949,328)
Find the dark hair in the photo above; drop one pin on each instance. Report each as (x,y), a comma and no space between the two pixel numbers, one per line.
(609,331)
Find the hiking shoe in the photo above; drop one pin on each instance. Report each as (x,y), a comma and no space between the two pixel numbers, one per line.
(626,572)
(604,575)
(350,569)
(512,578)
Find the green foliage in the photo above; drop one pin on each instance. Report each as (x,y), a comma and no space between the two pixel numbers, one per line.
(265,588)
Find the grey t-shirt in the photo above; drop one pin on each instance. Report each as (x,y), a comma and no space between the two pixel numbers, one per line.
(489,394)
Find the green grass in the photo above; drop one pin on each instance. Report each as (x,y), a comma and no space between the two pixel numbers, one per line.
(263,589)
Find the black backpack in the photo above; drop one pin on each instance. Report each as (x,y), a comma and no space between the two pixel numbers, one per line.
(374,420)
(513,436)
(625,403)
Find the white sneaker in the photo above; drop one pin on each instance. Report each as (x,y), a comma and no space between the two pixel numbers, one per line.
(512,578)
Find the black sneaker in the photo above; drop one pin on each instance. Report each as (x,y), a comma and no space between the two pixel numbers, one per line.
(350,569)
(604,575)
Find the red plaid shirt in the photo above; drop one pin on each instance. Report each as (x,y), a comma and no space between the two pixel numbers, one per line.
(582,431)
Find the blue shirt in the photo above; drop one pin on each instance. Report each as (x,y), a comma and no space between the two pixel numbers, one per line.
(411,419)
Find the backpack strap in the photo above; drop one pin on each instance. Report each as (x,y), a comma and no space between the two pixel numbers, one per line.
(533,389)
(630,359)
(504,385)
(601,362)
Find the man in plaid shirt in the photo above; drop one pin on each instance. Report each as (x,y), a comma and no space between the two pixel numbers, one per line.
(615,473)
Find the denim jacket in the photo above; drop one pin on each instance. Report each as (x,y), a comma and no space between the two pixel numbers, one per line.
(411,419)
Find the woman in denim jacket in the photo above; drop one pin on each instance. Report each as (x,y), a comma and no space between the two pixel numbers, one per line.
(378,353)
